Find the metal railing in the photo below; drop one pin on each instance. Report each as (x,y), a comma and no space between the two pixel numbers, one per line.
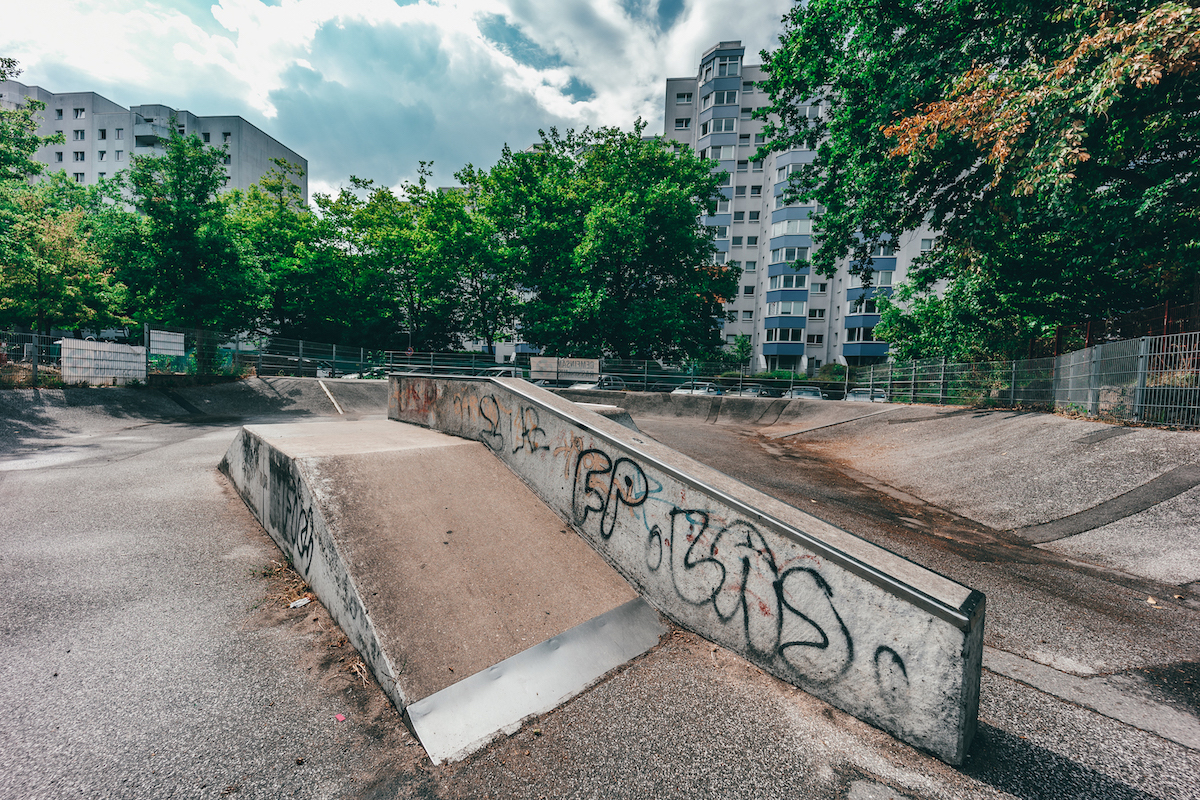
(1152,379)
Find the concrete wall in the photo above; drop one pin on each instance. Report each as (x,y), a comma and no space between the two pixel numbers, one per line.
(858,626)
(273,488)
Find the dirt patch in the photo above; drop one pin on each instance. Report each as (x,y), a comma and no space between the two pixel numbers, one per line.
(402,769)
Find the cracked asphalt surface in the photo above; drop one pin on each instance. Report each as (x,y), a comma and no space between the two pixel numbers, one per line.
(148,650)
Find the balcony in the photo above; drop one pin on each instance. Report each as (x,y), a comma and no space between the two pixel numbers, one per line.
(148,134)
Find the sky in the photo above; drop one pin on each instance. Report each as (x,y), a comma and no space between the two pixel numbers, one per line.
(372,87)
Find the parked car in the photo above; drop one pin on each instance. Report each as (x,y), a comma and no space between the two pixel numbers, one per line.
(605,382)
(867,396)
(806,393)
(502,372)
(699,387)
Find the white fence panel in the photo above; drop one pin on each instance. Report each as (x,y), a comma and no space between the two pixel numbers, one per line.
(101,362)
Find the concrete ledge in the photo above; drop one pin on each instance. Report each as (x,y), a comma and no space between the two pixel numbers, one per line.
(856,625)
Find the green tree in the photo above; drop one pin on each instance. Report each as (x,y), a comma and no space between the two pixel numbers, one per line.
(278,228)
(1053,148)
(196,273)
(52,273)
(604,231)
(18,134)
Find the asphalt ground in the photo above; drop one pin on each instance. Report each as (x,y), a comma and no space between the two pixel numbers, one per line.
(148,650)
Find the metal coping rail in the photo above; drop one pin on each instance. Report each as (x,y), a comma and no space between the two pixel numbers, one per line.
(963,617)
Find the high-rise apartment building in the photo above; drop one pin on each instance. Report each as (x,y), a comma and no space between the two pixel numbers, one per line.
(101,136)
(795,320)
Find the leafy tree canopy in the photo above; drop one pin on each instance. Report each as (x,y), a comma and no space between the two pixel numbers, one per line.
(1055,149)
(603,229)
(196,273)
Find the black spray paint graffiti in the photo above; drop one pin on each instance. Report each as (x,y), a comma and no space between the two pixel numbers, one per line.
(789,613)
(524,428)
(288,512)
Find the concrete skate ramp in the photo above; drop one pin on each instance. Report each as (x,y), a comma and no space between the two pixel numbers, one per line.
(783,417)
(862,628)
(471,601)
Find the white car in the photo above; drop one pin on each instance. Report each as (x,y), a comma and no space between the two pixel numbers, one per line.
(697,387)
(606,382)
(866,396)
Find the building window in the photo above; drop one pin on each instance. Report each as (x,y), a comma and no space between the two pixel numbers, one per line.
(744,140)
(207,137)
(58,156)
(681,124)
(100,155)
(792,226)
(760,138)
(746,113)
(734,264)
(79,113)
(756,191)
(747,87)
(79,135)
(815,338)
(725,98)
(751,241)
(747,316)
(737,241)
(788,281)
(118,155)
(739,216)
(78,177)
(102,134)
(706,101)
(785,334)
(729,337)
(748,291)
(723,205)
(926,245)
(819,288)
(786,308)
(78,155)
(102,175)
(723,125)
(883,251)
(683,98)
(727,65)
(718,258)
(860,334)
(120,133)
(816,313)
(58,113)
(723,180)
(867,307)
(182,131)
(228,159)
(226,137)
(754,216)
(743,166)
(751,266)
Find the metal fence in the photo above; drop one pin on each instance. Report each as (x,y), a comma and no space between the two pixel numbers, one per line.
(1152,379)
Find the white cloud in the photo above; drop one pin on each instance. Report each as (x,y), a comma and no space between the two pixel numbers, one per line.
(426,62)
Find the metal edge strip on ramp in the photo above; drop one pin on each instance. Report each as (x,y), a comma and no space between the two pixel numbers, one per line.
(458,720)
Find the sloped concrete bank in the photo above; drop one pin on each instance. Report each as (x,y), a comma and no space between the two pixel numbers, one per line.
(422,546)
(858,626)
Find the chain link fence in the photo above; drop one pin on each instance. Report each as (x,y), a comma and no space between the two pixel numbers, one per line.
(1152,379)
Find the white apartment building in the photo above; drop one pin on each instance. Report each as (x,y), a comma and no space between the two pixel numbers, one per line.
(795,320)
(101,136)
